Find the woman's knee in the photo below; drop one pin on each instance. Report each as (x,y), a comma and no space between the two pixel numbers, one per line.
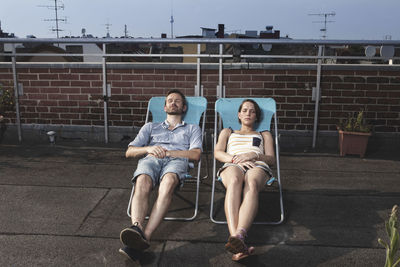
(233,180)
(254,185)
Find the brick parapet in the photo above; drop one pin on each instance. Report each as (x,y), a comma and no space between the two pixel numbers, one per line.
(73,94)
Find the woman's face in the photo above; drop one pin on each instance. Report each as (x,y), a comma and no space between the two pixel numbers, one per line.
(247,115)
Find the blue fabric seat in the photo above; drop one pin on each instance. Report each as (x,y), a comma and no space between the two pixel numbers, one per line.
(226,109)
(196,107)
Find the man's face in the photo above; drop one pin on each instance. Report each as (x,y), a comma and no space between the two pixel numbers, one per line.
(174,104)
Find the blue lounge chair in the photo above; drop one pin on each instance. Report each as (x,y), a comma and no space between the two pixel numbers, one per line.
(227,109)
(196,107)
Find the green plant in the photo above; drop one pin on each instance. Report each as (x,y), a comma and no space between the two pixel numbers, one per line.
(7,101)
(355,123)
(394,242)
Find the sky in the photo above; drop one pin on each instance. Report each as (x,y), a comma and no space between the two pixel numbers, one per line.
(353,20)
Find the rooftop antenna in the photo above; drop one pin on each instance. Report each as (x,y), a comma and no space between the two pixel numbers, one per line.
(172,19)
(126,31)
(108,28)
(56,7)
(325,21)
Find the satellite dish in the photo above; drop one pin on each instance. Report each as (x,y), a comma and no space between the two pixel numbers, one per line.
(266,47)
(370,51)
(387,51)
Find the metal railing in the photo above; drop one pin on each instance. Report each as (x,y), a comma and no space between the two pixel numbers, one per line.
(320,59)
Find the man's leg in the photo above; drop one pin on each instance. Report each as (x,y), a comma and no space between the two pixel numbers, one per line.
(133,236)
(140,199)
(165,192)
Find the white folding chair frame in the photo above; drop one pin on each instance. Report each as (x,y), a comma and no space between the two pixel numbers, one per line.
(282,215)
(195,119)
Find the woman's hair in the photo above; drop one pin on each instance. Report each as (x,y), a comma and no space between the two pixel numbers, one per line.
(257,108)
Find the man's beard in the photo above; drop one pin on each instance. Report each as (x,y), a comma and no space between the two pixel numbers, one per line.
(177,111)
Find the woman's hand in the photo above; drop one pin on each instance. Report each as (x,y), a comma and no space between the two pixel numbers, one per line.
(247,165)
(249,156)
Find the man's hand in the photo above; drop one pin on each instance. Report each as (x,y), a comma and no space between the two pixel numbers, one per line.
(157,151)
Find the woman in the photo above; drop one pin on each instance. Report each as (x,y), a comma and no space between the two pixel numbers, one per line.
(246,154)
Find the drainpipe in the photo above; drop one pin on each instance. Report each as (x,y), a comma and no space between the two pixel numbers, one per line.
(16,93)
(105,95)
(317,95)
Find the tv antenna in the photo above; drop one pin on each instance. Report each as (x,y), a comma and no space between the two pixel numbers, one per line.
(172,19)
(325,21)
(126,31)
(56,7)
(108,28)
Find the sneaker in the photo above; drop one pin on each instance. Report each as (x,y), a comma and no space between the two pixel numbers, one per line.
(133,237)
(130,254)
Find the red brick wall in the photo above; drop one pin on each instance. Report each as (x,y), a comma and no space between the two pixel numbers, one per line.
(74,96)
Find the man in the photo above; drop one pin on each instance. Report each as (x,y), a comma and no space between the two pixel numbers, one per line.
(167,147)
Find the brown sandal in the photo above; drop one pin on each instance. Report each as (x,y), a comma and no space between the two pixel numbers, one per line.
(235,244)
(244,254)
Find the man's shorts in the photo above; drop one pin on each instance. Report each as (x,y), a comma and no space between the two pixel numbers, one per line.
(156,168)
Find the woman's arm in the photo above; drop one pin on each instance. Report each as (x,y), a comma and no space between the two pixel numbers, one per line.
(269,154)
(220,147)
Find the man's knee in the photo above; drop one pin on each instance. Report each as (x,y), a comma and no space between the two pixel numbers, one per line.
(168,183)
(143,184)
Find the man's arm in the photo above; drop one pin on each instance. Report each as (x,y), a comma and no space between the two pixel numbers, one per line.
(134,151)
(139,146)
(192,154)
(194,151)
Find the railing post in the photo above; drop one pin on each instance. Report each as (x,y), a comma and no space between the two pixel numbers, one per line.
(105,95)
(16,92)
(220,89)
(317,94)
(197,89)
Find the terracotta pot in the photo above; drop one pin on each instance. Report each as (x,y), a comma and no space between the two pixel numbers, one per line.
(353,143)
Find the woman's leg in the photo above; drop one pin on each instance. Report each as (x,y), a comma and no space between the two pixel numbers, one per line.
(232,178)
(254,182)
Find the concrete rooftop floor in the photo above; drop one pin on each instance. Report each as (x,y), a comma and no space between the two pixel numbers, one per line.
(65,205)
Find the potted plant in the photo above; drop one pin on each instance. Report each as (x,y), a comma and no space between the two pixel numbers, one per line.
(7,102)
(392,231)
(354,133)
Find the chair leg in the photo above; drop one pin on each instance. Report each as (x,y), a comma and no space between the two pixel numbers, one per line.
(207,163)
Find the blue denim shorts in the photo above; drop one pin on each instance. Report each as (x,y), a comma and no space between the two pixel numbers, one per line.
(156,168)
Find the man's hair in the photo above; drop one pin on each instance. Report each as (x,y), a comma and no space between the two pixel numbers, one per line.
(257,108)
(175,91)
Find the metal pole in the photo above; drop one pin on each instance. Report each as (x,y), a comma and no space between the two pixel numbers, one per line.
(197,89)
(16,93)
(220,92)
(105,95)
(317,95)
(55,7)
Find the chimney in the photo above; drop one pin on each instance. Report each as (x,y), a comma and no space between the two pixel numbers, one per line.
(221,31)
